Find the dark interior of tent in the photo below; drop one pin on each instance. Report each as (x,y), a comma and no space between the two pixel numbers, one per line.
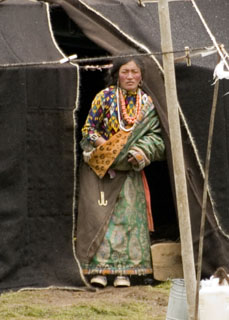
(73,41)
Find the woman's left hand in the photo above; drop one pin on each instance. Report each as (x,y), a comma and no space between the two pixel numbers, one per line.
(132,160)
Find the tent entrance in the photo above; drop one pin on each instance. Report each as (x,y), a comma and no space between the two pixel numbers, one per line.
(73,41)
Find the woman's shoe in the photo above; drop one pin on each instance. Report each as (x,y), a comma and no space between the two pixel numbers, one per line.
(99,281)
(122,281)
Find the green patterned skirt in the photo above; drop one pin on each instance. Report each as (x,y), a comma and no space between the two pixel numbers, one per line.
(125,249)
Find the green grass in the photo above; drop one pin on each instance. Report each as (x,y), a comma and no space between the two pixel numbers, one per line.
(40,305)
(163,285)
(96,311)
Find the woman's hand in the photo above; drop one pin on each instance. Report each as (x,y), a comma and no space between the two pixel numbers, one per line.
(99,141)
(132,160)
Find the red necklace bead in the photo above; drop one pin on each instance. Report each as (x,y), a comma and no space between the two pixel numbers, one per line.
(128,119)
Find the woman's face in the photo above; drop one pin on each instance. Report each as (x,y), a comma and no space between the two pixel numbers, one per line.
(129,76)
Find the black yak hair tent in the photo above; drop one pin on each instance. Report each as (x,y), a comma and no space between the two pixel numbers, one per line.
(37,99)
(44,103)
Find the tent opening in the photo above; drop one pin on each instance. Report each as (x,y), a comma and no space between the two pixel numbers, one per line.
(73,41)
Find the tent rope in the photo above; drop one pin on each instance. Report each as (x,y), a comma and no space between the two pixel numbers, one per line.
(210,34)
(204,199)
(203,51)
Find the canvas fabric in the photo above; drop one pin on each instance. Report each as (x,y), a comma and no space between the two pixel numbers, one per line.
(37,154)
(93,218)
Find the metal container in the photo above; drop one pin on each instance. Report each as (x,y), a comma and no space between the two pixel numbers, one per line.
(177,305)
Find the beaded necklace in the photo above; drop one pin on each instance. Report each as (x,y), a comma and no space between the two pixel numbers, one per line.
(129,120)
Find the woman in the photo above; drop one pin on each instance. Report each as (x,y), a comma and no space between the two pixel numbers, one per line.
(121,136)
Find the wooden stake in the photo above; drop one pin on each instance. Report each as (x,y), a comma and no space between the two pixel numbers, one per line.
(177,157)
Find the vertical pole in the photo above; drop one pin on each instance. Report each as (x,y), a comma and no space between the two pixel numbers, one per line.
(205,194)
(177,157)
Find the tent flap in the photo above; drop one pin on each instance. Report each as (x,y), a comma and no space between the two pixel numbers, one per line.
(37,154)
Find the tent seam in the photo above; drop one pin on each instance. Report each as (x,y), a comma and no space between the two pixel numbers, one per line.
(74,149)
(51,30)
(51,288)
(202,171)
(124,34)
(75,183)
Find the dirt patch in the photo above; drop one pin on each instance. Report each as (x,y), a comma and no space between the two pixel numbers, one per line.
(156,299)
(116,295)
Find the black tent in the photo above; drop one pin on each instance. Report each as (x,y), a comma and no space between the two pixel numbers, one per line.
(39,136)
(37,98)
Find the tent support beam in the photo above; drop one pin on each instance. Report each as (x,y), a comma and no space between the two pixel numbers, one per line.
(177,157)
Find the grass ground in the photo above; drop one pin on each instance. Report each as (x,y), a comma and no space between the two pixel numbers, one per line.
(135,303)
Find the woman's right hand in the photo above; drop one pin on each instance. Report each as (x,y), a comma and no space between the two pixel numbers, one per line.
(99,141)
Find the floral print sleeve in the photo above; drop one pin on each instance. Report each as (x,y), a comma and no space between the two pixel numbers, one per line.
(102,119)
(94,118)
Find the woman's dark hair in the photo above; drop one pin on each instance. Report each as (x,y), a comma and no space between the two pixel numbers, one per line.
(112,75)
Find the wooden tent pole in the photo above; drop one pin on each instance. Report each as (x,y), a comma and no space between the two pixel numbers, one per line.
(205,194)
(177,157)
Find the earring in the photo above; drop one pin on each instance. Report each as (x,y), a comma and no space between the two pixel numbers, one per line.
(140,83)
